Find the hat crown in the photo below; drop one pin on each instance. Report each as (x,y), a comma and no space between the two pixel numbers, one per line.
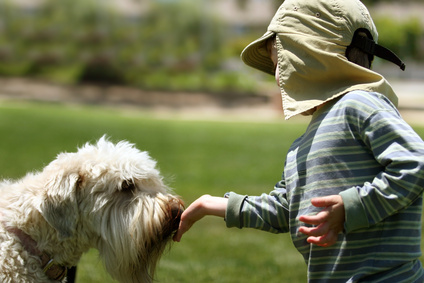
(332,20)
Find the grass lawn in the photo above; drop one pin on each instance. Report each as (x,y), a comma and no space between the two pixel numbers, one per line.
(196,158)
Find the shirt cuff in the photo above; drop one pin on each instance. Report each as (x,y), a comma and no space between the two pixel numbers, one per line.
(355,215)
(232,213)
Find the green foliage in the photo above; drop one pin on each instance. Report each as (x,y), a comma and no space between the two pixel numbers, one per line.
(195,158)
(173,45)
(402,37)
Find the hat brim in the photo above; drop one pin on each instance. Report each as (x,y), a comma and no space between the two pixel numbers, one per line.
(256,55)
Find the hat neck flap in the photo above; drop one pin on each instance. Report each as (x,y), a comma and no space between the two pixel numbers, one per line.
(312,72)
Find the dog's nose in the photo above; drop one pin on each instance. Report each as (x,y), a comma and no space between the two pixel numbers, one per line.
(177,208)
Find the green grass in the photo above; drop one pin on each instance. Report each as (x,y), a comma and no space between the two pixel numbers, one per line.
(196,157)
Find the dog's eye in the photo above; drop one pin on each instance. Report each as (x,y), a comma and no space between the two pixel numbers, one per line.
(128,186)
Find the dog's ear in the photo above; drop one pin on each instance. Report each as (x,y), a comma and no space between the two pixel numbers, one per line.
(59,205)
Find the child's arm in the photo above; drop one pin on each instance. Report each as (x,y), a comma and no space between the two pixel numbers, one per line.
(205,205)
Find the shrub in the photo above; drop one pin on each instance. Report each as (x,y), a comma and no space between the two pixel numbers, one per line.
(174,45)
(402,37)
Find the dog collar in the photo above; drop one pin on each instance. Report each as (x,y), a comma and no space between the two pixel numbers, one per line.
(53,270)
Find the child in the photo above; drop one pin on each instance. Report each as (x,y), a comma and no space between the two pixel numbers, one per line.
(351,192)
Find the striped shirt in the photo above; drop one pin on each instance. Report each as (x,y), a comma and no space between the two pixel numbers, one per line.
(358,147)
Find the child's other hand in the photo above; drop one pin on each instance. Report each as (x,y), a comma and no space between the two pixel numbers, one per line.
(328,223)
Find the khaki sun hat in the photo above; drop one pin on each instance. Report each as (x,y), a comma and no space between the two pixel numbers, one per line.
(332,20)
(312,37)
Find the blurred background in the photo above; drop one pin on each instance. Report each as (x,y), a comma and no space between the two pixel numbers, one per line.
(119,51)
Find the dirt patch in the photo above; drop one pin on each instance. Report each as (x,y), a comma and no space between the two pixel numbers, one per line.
(188,105)
(21,88)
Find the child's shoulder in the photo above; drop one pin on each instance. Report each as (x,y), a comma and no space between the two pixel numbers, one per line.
(358,106)
(366,101)
(363,96)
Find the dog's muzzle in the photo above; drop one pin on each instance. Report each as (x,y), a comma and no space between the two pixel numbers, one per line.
(176,208)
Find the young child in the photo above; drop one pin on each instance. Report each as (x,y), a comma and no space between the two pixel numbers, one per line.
(351,192)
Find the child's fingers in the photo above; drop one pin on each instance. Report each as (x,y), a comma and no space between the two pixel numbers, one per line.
(315,219)
(325,201)
(320,230)
(326,240)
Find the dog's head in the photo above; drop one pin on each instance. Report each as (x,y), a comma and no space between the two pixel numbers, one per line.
(112,197)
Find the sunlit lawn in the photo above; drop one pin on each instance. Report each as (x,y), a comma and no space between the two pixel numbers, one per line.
(196,158)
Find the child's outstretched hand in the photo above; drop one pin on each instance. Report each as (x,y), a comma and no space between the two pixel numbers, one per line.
(328,223)
(203,206)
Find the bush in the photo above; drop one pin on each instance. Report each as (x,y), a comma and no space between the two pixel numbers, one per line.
(172,46)
(404,38)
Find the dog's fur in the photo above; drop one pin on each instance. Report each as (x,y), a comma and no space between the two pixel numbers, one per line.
(105,196)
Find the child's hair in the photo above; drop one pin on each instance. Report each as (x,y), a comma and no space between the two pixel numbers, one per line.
(357,56)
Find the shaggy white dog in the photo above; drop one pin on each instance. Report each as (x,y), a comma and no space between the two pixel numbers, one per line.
(105,196)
